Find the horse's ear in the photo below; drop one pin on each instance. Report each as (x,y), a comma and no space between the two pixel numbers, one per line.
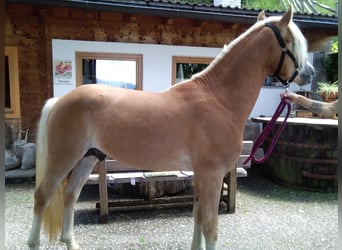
(261,16)
(287,18)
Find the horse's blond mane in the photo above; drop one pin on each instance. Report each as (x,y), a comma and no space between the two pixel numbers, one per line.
(299,48)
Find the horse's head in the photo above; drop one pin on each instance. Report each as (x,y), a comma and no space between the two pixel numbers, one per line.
(291,62)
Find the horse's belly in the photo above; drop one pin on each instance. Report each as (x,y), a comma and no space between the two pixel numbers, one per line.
(155,161)
(182,162)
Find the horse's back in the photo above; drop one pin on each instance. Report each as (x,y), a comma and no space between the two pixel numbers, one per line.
(134,126)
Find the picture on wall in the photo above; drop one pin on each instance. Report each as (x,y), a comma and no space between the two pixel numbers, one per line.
(63,72)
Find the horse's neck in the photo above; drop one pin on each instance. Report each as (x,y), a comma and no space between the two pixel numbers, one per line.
(237,75)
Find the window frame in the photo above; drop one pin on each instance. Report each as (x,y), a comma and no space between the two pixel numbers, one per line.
(13,70)
(138,58)
(187,60)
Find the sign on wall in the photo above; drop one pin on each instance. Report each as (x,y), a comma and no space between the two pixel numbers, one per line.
(63,71)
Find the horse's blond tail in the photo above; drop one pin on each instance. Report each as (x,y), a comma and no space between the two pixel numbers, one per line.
(53,214)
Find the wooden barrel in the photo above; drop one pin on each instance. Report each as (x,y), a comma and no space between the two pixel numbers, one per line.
(305,157)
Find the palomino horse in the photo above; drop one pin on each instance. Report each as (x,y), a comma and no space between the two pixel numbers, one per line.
(196,125)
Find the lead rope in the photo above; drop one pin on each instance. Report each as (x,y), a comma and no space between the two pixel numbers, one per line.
(261,138)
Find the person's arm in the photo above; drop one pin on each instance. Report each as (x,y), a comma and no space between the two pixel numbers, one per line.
(322,108)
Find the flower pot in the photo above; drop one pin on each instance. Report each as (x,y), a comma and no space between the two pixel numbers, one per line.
(329,98)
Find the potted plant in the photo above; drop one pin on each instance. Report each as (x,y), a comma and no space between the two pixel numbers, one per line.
(328,91)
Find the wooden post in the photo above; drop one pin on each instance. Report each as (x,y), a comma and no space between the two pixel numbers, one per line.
(103,192)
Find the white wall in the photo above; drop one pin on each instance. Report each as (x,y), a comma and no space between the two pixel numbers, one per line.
(157,59)
(157,66)
(269,99)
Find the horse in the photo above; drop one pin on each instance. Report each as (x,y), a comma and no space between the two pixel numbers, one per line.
(196,125)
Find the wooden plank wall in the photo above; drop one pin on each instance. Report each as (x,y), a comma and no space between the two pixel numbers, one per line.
(32,28)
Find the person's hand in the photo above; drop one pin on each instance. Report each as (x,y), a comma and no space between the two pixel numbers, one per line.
(290,95)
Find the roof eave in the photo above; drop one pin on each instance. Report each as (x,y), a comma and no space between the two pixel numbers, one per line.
(233,15)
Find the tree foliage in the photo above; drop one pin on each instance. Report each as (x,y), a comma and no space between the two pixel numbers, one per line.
(280,5)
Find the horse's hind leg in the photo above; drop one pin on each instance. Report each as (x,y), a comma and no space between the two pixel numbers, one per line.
(76,181)
(42,198)
(34,238)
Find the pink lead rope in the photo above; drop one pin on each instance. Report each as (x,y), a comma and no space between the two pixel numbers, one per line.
(283,103)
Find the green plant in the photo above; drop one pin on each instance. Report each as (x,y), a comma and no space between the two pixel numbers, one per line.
(327,88)
(334,46)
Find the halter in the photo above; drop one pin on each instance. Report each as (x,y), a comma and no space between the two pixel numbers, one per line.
(284,51)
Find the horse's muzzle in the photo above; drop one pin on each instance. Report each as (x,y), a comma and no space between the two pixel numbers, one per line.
(306,75)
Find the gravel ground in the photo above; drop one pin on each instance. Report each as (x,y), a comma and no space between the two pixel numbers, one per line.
(267,216)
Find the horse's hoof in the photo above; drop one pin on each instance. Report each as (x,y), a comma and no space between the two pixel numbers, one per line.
(73,246)
(33,246)
(71,243)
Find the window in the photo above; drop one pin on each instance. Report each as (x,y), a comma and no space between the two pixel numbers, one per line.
(12,94)
(119,70)
(184,67)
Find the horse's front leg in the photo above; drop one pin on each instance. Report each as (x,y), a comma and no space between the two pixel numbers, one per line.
(198,238)
(76,181)
(209,188)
